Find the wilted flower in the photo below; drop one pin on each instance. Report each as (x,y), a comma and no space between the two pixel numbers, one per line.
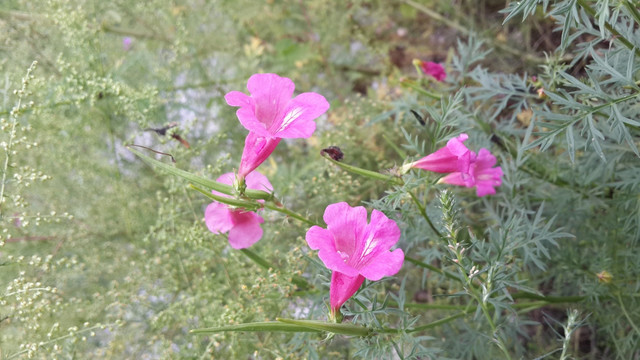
(354,249)
(270,114)
(433,69)
(243,226)
(481,174)
(604,276)
(454,157)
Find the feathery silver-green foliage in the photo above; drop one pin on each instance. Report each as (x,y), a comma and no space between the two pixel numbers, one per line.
(102,257)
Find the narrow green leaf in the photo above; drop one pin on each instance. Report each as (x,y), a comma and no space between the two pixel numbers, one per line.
(267,326)
(248,205)
(344,329)
(364,172)
(210,184)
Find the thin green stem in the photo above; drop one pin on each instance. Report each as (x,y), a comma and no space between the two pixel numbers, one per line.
(274,207)
(616,34)
(15,355)
(624,311)
(423,211)
(367,173)
(394,146)
(440,322)
(12,132)
(263,263)
(432,268)
(633,10)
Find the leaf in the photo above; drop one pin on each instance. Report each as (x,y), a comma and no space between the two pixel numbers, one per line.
(268,326)
(213,185)
(344,329)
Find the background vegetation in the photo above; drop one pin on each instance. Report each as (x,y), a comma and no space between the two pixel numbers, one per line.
(103,257)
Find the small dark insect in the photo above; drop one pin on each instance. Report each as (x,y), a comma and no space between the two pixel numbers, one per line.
(163,132)
(498,141)
(100,95)
(334,152)
(418,117)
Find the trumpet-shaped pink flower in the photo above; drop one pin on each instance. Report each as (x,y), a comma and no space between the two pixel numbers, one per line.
(243,226)
(270,114)
(481,174)
(434,69)
(354,249)
(454,157)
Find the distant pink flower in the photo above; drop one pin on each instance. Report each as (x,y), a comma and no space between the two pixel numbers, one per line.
(243,226)
(355,249)
(454,157)
(270,114)
(481,174)
(126,43)
(434,69)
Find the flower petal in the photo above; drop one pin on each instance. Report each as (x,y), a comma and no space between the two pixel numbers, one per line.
(347,224)
(236,98)
(297,120)
(385,264)
(217,218)
(246,229)
(256,150)
(271,95)
(257,181)
(248,119)
(323,240)
(457,178)
(377,238)
(342,288)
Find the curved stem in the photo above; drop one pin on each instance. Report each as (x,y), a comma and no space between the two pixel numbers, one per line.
(624,311)
(610,27)
(423,211)
(432,268)
(290,213)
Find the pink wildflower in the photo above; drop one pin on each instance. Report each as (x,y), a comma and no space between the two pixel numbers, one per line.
(270,114)
(243,226)
(434,69)
(454,157)
(126,43)
(354,249)
(481,174)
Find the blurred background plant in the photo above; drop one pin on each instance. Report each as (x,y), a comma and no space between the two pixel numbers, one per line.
(102,257)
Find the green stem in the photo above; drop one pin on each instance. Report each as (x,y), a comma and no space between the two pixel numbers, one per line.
(423,211)
(440,322)
(410,84)
(12,132)
(624,311)
(249,205)
(549,299)
(610,27)
(364,172)
(290,213)
(633,10)
(260,261)
(394,146)
(432,268)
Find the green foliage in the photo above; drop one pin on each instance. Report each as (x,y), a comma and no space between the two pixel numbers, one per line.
(104,257)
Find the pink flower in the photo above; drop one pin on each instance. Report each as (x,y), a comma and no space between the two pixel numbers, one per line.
(434,69)
(270,114)
(481,174)
(355,249)
(126,43)
(454,157)
(243,226)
